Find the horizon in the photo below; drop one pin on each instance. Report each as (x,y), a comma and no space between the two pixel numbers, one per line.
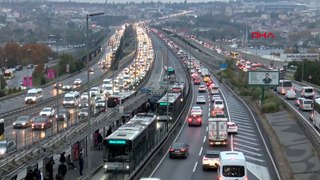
(139,1)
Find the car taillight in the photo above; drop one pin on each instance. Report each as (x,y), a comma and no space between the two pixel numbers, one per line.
(199,119)
(171,150)
(189,119)
(204,158)
(219,177)
(183,150)
(246,178)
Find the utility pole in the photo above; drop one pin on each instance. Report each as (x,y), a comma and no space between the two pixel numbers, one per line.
(57,80)
(167,124)
(27,55)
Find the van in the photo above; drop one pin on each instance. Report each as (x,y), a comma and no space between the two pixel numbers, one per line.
(307,92)
(94,91)
(232,166)
(284,85)
(33,95)
(71,99)
(305,104)
(106,82)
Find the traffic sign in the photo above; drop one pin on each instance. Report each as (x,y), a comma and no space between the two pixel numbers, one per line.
(223,66)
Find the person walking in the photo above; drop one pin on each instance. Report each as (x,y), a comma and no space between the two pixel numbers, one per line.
(81,164)
(62,169)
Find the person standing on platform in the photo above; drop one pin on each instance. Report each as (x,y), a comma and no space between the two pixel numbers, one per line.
(81,164)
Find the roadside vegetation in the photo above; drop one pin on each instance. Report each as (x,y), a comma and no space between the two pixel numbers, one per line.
(310,68)
(238,81)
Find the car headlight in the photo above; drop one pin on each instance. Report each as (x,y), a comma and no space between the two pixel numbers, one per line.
(105,166)
(127,167)
(2,151)
(14,123)
(23,124)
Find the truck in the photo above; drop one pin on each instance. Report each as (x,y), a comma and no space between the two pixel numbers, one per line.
(217,132)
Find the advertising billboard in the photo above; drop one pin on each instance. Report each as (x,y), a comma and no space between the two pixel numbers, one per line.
(263,78)
(299,57)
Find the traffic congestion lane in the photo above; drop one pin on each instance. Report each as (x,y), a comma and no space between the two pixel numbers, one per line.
(196,137)
(49,91)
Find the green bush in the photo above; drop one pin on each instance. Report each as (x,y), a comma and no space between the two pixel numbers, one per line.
(269,107)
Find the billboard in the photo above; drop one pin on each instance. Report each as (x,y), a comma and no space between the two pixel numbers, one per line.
(27,81)
(263,78)
(299,57)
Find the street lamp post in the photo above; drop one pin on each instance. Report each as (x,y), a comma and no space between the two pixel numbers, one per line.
(88,90)
(27,55)
(57,81)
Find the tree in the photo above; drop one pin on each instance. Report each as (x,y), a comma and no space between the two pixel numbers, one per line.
(74,65)
(38,75)
(3,83)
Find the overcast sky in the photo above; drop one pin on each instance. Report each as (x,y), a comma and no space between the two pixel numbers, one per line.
(137,1)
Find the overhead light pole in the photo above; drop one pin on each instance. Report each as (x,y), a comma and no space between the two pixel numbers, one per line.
(89,144)
(27,56)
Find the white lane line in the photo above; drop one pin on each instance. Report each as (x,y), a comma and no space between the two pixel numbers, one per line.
(250,147)
(255,159)
(209,109)
(242,140)
(245,137)
(207,129)
(248,134)
(208,114)
(204,139)
(249,152)
(195,166)
(247,130)
(244,123)
(200,151)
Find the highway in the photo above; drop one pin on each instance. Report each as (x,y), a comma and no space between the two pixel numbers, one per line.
(16,81)
(248,140)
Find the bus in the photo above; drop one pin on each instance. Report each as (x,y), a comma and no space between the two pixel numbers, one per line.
(232,166)
(171,74)
(172,102)
(2,137)
(284,86)
(315,115)
(125,148)
(9,73)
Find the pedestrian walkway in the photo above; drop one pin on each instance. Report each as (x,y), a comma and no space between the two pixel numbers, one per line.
(74,174)
(303,160)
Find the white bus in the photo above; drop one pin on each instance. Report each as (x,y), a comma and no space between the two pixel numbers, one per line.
(315,115)
(126,148)
(71,99)
(9,73)
(284,86)
(232,166)
(34,95)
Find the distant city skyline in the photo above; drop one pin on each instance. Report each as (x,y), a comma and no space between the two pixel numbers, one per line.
(139,1)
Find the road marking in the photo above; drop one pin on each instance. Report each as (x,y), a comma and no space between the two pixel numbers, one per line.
(248,134)
(195,166)
(200,151)
(245,137)
(207,129)
(247,130)
(240,115)
(242,140)
(249,152)
(244,126)
(208,114)
(209,108)
(250,147)
(204,139)
(255,159)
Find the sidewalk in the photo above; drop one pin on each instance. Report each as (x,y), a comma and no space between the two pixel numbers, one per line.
(74,174)
(302,159)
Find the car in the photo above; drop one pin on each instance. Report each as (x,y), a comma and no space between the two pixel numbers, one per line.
(217,113)
(307,92)
(316,99)
(196,110)
(202,88)
(84,112)
(178,149)
(306,104)
(201,100)
(218,104)
(19,67)
(30,66)
(22,122)
(84,95)
(47,111)
(232,128)
(83,103)
(215,97)
(197,81)
(290,94)
(77,83)
(210,160)
(6,146)
(41,122)
(194,120)
(55,85)
(66,87)
(297,102)
(63,115)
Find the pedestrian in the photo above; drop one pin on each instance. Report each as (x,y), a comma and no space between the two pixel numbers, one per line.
(62,158)
(49,169)
(99,141)
(62,169)
(29,175)
(37,174)
(59,177)
(81,164)
(109,131)
(69,162)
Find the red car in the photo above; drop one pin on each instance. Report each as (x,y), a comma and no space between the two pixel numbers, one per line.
(194,120)
(197,81)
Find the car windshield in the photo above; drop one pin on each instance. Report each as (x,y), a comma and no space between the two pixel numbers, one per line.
(178,145)
(220,116)
(212,155)
(22,118)
(287,84)
(307,102)
(68,98)
(46,110)
(308,90)
(31,94)
(40,119)
(196,108)
(62,111)
(218,102)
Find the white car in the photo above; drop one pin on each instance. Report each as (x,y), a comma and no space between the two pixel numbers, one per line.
(201,100)
(84,95)
(77,83)
(66,87)
(210,160)
(202,88)
(232,127)
(215,97)
(196,110)
(47,111)
(290,94)
(218,104)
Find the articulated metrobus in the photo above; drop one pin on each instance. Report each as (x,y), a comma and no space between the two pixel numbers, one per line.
(315,115)
(125,149)
(170,101)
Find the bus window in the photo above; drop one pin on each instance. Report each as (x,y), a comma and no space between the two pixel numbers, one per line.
(233,171)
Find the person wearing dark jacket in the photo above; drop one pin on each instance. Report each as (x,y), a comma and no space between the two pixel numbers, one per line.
(62,169)
(81,164)
(29,175)
(62,158)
